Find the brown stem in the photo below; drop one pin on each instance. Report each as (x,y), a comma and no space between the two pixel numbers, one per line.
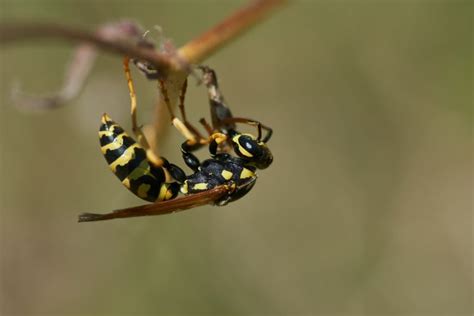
(10,32)
(205,45)
(193,52)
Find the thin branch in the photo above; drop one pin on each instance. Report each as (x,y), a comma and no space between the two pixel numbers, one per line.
(195,51)
(11,32)
(75,76)
(205,45)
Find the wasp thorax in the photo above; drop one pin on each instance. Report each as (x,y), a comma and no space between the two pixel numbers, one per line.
(252,150)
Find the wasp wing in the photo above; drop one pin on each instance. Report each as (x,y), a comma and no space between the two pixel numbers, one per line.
(163,207)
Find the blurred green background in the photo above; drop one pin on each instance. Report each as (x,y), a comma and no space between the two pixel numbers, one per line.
(367,209)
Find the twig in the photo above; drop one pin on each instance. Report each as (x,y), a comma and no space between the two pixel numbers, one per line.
(193,52)
(74,78)
(205,45)
(11,32)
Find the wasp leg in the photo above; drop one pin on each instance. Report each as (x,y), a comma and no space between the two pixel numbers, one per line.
(164,94)
(190,159)
(192,162)
(182,110)
(133,104)
(251,122)
(206,126)
(154,159)
(194,139)
(176,172)
(219,110)
(199,140)
(222,119)
(235,192)
(216,140)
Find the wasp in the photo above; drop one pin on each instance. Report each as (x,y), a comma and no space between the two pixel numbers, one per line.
(219,180)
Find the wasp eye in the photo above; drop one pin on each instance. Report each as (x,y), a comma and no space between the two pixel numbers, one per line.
(248,144)
(245,146)
(256,153)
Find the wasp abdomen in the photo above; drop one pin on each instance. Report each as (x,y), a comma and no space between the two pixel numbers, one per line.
(128,160)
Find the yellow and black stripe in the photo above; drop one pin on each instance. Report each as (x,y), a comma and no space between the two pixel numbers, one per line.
(128,160)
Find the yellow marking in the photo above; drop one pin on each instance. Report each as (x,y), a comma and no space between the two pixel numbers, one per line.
(127,155)
(184,187)
(169,194)
(226,174)
(143,169)
(246,173)
(168,177)
(244,152)
(163,191)
(200,186)
(143,190)
(105,119)
(219,137)
(106,133)
(126,183)
(249,135)
(110,131)
(153,158)
(183,130)
(115,144)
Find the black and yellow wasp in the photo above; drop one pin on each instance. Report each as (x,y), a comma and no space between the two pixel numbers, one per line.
(221,179)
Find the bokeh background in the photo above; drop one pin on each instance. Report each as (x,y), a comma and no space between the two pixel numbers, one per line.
(367,209)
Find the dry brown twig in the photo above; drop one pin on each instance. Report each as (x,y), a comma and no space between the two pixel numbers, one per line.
(174,67)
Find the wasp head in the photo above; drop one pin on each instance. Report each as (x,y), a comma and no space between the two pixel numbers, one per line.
(254,151)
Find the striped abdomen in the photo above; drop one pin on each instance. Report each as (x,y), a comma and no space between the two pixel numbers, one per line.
(129,162)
